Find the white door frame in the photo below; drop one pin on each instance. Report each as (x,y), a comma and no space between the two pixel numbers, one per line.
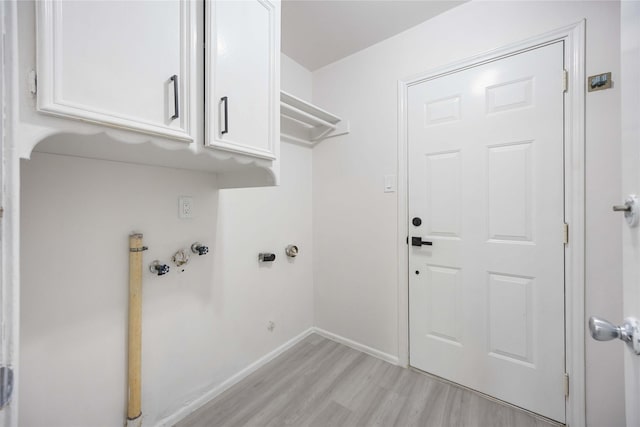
(10,220)
(574,162)
(630,101)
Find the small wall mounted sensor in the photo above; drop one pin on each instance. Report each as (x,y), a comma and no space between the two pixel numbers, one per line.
(599,82)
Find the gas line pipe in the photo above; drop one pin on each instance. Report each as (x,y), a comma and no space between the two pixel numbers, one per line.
(134,411)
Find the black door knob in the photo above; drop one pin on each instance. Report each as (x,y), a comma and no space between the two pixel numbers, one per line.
(416,221)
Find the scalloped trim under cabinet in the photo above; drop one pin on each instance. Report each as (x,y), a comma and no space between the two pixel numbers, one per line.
(303,123)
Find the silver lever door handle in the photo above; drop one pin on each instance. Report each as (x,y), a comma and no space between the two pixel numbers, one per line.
(631,209)
(629,331)
(176,99)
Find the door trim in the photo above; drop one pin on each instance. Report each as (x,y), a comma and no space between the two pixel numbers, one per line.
(10,218)
(574,186)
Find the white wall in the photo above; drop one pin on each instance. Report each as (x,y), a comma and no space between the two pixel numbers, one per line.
(355,251)
(200,326)
(298,80)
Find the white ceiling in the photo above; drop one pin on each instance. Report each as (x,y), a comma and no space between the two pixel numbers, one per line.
(318,32)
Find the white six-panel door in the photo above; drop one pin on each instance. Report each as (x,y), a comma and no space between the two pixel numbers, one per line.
(486,179)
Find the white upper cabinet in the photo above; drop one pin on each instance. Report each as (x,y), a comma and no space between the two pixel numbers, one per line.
(189,84)
(125,64)
(242,77)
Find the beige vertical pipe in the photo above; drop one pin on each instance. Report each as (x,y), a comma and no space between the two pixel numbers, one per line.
(134,411)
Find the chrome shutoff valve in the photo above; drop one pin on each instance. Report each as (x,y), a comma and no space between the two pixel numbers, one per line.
(157,268)
(199,248)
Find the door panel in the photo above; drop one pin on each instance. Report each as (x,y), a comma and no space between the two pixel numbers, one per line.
(510,317)
(486,176)
(443,194)
(510,184)
(443,294)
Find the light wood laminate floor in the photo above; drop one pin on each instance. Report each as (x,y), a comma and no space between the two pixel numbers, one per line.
(319,382)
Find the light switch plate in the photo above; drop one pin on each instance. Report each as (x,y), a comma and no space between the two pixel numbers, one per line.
(390,184)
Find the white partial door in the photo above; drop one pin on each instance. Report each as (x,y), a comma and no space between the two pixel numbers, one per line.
(630,89)
(486,189)
(9,235)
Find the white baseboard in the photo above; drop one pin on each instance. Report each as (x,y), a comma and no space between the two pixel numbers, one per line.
(235,379)
(357,346)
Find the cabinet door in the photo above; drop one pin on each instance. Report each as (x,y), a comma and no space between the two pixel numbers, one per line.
(127,64)
(243,76)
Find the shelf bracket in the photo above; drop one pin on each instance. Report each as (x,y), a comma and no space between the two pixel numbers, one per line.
(307,124)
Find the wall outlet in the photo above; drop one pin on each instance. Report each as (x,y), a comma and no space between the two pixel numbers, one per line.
(185,207)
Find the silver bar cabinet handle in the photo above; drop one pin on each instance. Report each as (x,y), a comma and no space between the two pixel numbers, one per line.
(176,99)
(226,115)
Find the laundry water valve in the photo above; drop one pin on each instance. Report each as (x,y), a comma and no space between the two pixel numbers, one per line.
(157,268)
(199,248)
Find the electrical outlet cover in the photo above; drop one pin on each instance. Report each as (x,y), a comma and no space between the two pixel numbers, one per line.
(185,207)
